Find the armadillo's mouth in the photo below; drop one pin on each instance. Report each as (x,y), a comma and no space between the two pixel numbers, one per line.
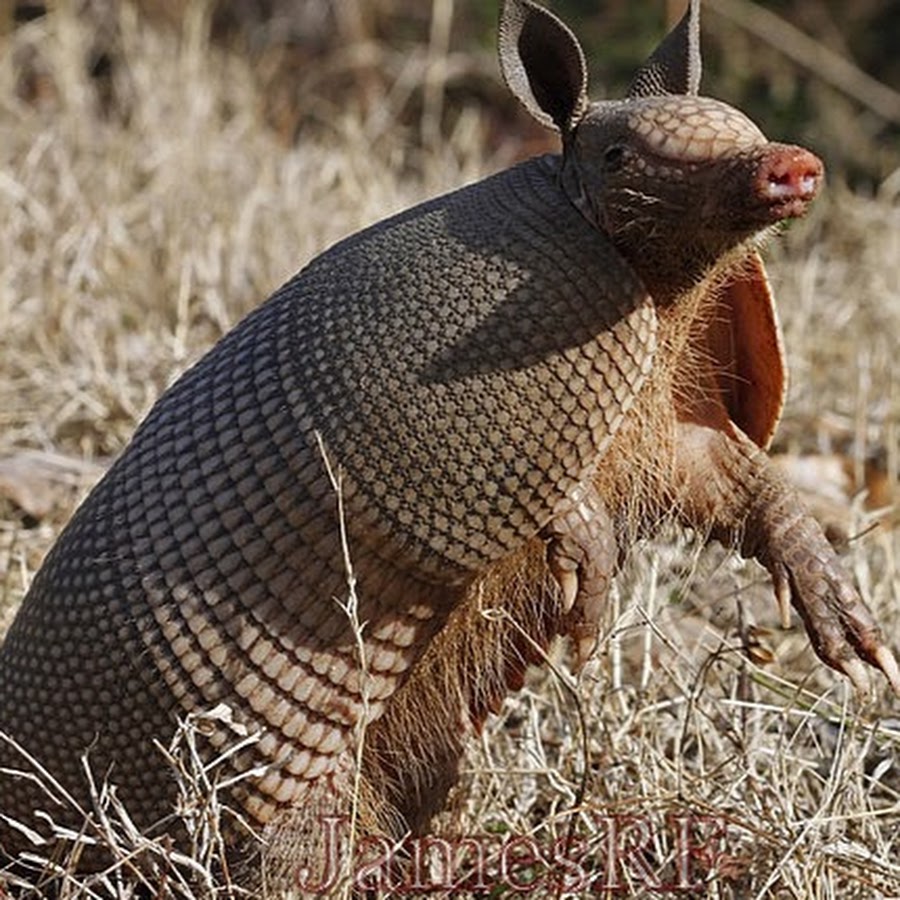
(787,179)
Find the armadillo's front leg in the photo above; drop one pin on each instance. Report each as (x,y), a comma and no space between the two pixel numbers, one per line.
(728,481)
(581,554)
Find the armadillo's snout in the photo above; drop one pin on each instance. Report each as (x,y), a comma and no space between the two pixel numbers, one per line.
(787,179)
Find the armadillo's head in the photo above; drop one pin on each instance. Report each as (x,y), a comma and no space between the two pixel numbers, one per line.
(675,179)
(678,180)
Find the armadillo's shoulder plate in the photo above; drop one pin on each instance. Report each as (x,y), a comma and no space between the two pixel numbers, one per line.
(467,362)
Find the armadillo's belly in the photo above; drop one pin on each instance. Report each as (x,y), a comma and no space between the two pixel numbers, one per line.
(207,568)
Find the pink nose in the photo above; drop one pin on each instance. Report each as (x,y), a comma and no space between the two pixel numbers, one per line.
(788,177)
(789,173)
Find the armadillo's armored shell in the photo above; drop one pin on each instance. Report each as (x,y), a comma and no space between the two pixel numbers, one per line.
(465,364)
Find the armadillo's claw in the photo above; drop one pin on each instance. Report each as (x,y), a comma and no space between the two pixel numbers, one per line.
(858,674)
(841,627)
(887,662)
(782,593)
(581,555)
(565,572)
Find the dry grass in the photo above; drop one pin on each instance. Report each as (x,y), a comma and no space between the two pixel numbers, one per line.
(130,243)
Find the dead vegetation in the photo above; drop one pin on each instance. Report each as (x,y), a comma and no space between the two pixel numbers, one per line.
(703,743)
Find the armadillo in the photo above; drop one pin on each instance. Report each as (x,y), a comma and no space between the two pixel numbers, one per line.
(479,403)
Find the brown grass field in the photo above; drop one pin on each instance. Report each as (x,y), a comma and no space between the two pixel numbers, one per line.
(704,742)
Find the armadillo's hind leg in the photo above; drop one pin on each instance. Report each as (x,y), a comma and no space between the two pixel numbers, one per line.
(581,555)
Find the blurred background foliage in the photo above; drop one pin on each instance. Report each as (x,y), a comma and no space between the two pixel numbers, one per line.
(825,73)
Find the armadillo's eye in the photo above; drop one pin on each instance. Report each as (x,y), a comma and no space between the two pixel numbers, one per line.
(614,158)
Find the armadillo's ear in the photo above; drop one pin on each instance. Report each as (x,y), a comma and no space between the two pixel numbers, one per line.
(674,67)
(543,64)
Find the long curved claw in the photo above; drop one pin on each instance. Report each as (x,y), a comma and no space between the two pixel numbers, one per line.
(782,594)
(840,625)
(887,662)
(858,674)
(565,571)
(581,554)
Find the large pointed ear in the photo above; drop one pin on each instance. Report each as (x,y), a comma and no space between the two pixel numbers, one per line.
(543,64)
(744,341)
(674,67)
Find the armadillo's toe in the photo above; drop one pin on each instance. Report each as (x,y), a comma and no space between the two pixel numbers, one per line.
(865,637)
(581,554)
(841,627)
